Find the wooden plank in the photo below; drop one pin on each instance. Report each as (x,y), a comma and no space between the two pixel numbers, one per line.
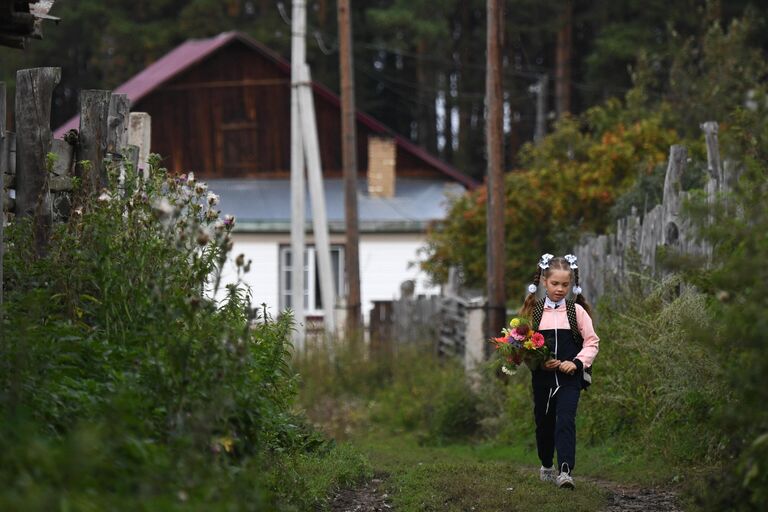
(34,89)
(94,115)
(132,158)
(140,135)
(62,165)
(117,125)
(714,165)
(33,113)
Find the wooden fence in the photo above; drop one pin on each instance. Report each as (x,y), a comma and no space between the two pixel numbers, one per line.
(458,324)
(34,185)
(452,323)
(603,259)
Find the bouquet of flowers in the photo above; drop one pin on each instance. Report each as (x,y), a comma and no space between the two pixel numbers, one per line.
(520,344)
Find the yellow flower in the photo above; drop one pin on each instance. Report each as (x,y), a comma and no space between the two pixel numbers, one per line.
(227,443)
(514,322)
(528,344)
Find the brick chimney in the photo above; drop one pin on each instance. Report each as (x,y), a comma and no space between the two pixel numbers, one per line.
(381,166)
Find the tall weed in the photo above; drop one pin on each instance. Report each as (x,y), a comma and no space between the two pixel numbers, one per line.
(125,383)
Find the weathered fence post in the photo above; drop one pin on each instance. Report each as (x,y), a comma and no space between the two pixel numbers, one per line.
(60,179)
(34,90)
(140,134)
(117,135)
(94,119)
(117,123)
(476,345)
(672,200)
(714,165)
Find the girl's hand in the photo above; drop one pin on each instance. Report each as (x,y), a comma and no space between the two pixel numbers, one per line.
(552,364)
(568,367)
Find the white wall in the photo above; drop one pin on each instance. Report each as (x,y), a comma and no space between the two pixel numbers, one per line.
(384,265)
(262,278)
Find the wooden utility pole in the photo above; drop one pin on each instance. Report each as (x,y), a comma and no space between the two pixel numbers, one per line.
(3,169)
(349,163)
(563,60)
(495,177)
(298,50)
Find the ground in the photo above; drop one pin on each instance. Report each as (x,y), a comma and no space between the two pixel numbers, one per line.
(371,497)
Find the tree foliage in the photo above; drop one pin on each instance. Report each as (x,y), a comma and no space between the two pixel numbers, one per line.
(597,166)
(572,180)
(419,66)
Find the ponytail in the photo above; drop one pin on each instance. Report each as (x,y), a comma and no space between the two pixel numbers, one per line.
(579,299)
(530,301)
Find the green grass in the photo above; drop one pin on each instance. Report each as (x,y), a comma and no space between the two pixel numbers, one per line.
(464,476)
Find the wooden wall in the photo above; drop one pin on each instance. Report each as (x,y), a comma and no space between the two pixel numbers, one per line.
(229,117)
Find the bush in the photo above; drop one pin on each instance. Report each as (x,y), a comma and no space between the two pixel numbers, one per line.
(125,379)
(454,412)
(410,389)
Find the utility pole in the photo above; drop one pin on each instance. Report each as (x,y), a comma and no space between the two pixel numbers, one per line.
(317,198)
(540,90)
(305,141)
(4,161)
(349,164)
(495,177)
(563,60)
(298,56)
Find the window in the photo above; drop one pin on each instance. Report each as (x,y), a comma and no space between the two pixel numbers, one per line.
(237,148)
(313,303)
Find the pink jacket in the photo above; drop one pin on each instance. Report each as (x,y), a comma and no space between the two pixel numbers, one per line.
(558,319)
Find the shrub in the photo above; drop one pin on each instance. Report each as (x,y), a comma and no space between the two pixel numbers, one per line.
(125,379)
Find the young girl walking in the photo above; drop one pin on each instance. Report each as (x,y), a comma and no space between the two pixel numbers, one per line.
(557,384)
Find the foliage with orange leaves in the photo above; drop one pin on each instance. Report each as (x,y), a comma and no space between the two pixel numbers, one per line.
(567,186)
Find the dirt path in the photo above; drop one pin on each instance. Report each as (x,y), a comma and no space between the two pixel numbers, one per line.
(369,497)
(630,498)
(623,498)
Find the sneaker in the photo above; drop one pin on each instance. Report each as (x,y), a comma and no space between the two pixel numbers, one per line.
(564,479)
(547,474)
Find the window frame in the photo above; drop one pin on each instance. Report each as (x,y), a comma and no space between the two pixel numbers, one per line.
(312,303)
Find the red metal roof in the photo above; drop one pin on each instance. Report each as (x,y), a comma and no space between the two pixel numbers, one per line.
(195,50)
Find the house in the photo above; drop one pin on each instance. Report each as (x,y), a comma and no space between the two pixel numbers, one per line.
(220,108)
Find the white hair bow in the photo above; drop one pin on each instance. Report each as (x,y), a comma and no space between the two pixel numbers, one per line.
(570,258)
(544,262)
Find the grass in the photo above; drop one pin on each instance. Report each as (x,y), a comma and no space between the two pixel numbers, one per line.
(464,476)
(443,444)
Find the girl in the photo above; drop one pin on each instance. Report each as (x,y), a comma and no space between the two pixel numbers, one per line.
(567,329)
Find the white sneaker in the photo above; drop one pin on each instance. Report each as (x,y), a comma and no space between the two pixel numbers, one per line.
(564,479)
(547,474)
